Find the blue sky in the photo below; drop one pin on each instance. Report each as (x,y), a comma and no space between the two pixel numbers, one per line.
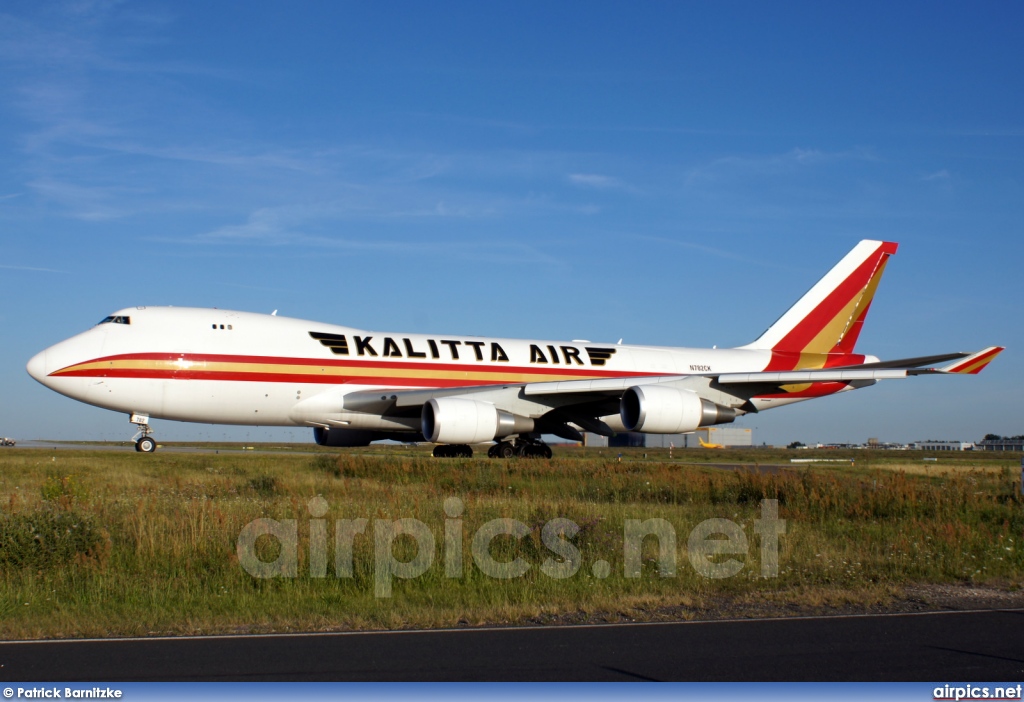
(667,173)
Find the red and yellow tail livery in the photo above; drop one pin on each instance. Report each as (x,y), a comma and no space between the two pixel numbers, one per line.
(822,328)
(975,363)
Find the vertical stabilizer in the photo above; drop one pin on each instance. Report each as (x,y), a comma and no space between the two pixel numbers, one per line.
(828,319)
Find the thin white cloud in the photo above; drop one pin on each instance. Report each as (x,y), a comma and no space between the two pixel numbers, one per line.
(295,226)
(288,224)
(772,164)
(30,268)
(91,203)
(254,287)
(937,175)
(281,159)
(711,251)
(593,180)
(270,226)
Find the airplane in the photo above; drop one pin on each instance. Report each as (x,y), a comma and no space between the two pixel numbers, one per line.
(353,386)
(709,446)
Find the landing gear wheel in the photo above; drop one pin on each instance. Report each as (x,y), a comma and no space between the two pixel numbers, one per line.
(524,448)
(144,443)
(453,451)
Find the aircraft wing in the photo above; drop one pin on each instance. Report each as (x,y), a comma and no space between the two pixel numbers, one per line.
(965,362)
(826,375)
(581,402)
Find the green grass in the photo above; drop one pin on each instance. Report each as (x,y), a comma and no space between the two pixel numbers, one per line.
(107,543)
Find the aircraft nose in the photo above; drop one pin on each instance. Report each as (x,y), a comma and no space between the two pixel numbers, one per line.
(36,366)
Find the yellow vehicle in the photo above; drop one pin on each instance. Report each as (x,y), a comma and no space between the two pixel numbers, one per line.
(707,445)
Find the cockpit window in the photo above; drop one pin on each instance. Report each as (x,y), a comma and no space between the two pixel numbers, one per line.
(116,320)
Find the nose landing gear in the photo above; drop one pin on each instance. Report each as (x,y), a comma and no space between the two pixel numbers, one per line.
(144,442)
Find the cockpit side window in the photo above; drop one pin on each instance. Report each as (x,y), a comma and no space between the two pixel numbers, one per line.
(116,320)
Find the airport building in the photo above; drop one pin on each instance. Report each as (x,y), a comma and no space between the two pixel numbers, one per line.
(1000,445)
(730,437)
(944,445)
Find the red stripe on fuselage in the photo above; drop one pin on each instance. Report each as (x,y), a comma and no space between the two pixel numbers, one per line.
(389,381)
(195,372)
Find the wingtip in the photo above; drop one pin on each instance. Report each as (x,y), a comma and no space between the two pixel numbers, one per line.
(975,363)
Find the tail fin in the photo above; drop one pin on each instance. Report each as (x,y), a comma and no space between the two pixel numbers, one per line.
(829,317)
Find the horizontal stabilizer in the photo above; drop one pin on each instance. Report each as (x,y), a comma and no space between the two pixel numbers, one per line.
(915,362)
(971,365)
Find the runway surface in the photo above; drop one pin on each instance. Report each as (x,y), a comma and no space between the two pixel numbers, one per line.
(943,646)
(130,448)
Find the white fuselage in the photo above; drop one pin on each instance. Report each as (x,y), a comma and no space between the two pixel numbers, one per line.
(225,367)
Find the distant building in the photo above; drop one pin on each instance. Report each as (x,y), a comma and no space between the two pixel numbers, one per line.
(667,440)
(726,436)
(944,445)
(627,439)
(1000,445)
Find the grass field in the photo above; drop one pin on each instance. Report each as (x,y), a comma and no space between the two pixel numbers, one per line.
(100,543)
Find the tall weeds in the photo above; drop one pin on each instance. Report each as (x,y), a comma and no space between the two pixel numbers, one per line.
(102,543)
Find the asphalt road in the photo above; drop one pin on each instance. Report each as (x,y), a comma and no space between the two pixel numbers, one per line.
(943,646)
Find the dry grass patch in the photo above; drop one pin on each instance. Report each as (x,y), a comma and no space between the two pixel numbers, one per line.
(154,549)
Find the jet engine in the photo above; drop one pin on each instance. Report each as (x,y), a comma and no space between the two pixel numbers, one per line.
(661,410)
(343,437)
(455,420)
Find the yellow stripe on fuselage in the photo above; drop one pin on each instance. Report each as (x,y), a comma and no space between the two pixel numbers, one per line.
(347,371)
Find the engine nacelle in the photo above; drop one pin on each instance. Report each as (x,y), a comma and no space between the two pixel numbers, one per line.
(336,436)
(455,420)
(659,410)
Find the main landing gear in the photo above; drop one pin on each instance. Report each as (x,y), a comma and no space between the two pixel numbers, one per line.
(144,442)
(521,447)
(524,448)
(453,451)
